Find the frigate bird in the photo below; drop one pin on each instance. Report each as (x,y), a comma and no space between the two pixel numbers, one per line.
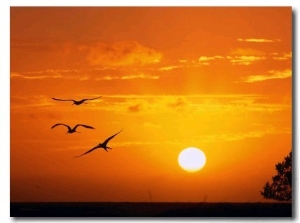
(72,130)
(75,102)
(102,145)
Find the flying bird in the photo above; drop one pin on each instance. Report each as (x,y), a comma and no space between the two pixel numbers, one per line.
(102,145)
(72,130)
(75,102)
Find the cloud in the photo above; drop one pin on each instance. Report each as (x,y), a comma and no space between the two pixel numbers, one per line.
(141,76)
(123,53)
(242,135)
(204,60)
(285,56)
(179,103)
(187,105)
(245,56)
(253,40)
(239,56)
(82,75)
(246,52)
(32,101)
(271,75)
(43,115)
(50,73)
(244,60)
(168,68)
(211,138)
(134,108)
(18,75)
(128,77)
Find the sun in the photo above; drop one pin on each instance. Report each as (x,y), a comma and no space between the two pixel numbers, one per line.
(191,159)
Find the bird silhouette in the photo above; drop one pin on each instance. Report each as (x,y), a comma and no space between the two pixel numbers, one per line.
(101,145)
(75,102)
(72,130)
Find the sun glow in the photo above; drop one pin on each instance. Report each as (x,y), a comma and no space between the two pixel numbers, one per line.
(191,159)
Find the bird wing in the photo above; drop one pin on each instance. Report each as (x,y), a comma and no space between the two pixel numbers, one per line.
(88,151)
(86,126)
(57,99)
(91,98)
(60,124)
(107,140)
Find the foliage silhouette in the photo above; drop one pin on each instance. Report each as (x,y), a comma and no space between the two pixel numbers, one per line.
(281,187)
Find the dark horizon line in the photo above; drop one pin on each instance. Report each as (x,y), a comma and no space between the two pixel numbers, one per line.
(196,202)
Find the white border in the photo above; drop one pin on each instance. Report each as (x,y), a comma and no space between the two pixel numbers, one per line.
(5,84)
(151,3)
(4,114)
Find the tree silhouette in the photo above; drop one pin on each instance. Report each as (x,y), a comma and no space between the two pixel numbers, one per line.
(281,187)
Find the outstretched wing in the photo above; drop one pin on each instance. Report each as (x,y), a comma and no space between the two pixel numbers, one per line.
(86,126)
(88,151)
(60,124)
(91,98)
(107,140)
(57,99)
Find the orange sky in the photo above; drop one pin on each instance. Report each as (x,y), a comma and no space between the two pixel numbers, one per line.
(214,78)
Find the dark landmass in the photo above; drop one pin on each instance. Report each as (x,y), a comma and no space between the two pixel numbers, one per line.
(151,209)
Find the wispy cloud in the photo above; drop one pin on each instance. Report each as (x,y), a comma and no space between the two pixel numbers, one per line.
(244,60)
(128,77)
(205,60)
(188,104)
(245,56)
(210,138)
(17,75)
(246,52)
(285,56)
(222,137)
(141,76)
(123,53)
(259,40)
(52,71)
(239,56)
(50,74)
(83,75)
(167,68)
(33,101)
(23,102)
(178,103)
(273,74)
(134,108)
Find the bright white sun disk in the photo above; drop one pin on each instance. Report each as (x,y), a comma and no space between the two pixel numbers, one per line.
(191,159)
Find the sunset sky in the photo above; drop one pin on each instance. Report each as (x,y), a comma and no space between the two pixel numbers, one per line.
(215,78)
